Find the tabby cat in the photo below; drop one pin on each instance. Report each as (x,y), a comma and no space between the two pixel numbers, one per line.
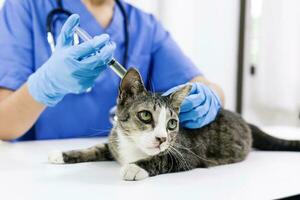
(147,139)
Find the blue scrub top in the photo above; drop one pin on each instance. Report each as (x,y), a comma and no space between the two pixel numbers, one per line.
(24,48)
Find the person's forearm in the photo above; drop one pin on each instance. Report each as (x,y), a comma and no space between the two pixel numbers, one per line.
(18,112)
(212,86)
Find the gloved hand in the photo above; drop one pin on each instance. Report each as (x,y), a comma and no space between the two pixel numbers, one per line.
(70,69)
(199,108)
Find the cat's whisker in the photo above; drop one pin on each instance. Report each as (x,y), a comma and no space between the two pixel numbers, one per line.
(177,160)
(171,160)
(186,163)
(95,129)
(181,158)
(93,135)
(189,150)
(98,132)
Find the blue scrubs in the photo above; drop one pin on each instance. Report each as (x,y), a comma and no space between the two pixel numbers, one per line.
(24,48)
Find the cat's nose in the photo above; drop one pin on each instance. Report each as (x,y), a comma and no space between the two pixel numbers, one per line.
(161,139)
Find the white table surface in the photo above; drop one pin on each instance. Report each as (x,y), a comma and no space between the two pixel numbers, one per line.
(25,174)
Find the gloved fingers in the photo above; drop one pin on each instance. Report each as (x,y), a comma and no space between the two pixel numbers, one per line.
(192,101)
(81,86)
(85,84)
(101,58)
(90,47)
(86,74)
(193,124)
(214,109)
(81,90)
(195,113)
(211,115)
(65,37)
(198,96)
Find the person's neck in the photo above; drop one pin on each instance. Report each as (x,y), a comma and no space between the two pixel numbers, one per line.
(102,10)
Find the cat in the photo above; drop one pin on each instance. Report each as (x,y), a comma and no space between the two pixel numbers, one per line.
(147,139)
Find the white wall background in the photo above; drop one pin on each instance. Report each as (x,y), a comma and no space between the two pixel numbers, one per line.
(273,95)
(1,3)
(207,30)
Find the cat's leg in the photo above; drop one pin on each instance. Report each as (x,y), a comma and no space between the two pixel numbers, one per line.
(160,164)
(96,153)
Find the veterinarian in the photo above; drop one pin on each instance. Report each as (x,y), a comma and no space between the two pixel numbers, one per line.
(43,93)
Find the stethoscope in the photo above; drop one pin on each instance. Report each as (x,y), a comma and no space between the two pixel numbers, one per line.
(61,11)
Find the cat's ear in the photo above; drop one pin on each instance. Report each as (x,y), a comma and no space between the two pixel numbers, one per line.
(176,98)
(131,85)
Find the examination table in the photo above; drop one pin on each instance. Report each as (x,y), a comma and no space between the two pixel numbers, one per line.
(26,174)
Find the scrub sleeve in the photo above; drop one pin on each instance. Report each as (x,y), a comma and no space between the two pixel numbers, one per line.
(16,62)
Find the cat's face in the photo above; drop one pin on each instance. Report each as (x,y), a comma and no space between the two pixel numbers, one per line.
(149,120)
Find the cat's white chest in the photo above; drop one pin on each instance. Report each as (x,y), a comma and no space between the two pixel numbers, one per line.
(128,152)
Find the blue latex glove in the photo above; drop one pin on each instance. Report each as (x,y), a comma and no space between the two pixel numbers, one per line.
(70,69)
(199,108)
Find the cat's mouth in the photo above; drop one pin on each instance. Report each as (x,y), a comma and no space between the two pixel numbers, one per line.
(155,149)
(158,148)
(151,151)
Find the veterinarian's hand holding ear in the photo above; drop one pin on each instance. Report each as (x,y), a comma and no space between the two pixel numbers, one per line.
(200,107)
(70,69)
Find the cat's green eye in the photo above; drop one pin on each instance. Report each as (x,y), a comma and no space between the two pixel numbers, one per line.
(145,116)
(172,124)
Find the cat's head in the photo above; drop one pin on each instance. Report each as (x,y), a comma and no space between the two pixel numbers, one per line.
(149,120)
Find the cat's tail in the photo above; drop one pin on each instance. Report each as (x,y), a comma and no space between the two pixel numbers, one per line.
(264,141)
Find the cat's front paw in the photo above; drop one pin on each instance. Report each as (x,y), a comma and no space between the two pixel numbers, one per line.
(132,172)
(56,157)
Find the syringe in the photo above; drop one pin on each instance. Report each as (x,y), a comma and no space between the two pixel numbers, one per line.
(113,64)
